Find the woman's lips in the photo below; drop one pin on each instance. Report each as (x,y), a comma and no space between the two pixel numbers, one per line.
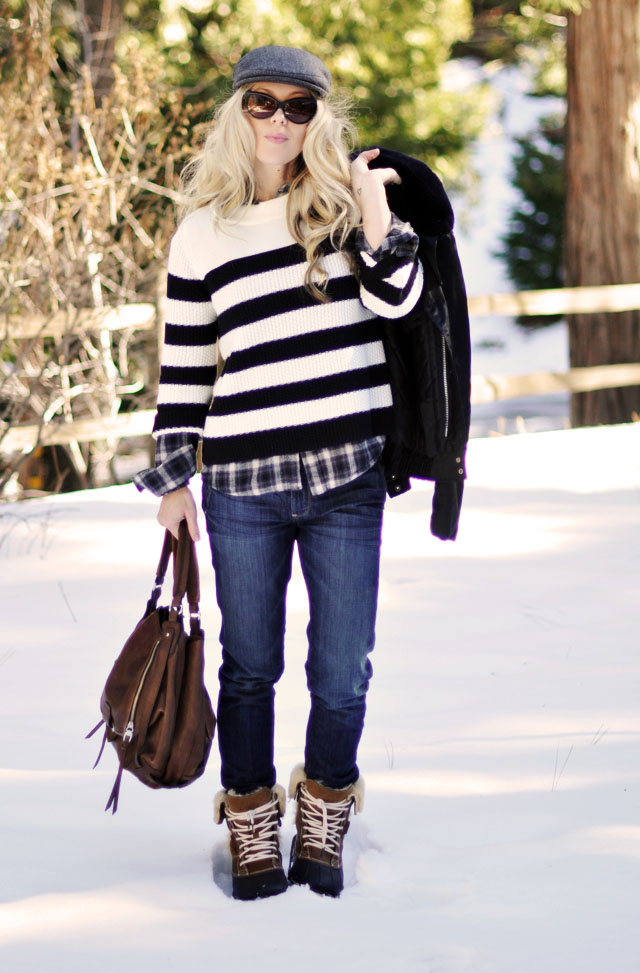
(277,138)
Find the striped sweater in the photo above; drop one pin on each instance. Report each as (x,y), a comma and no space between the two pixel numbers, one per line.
(298,374)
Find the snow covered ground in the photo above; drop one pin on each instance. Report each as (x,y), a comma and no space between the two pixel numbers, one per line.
(501,829)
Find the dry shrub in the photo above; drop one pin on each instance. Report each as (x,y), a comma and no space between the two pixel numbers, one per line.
(86,211)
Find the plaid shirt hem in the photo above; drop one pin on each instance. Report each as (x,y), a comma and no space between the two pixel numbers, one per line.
(324,469)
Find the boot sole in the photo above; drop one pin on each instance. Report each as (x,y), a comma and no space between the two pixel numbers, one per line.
(322,879)
(261,885)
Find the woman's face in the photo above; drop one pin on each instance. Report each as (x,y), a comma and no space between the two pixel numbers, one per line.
(278,141)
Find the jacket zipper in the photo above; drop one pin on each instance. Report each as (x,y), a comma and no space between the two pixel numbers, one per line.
(446,387)
(128,733)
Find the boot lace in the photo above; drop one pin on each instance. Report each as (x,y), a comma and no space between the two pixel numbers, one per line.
(256,832)
(323,823)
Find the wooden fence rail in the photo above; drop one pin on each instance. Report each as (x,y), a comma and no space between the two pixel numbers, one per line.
(138,316)
(565,300)
(23,438)
(484,388)
(494,388)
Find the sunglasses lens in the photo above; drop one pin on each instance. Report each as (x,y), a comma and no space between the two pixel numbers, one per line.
(259,105)
(300,110)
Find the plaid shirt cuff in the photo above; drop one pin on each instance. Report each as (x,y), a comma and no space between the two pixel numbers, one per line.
(401,241)
(175,464)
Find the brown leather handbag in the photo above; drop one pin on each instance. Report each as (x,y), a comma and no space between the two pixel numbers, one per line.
(155,706)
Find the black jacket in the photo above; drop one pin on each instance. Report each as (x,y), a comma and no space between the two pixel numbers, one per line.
(428,351)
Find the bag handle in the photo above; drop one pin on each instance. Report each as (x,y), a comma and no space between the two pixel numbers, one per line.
(161,571)
(186,577)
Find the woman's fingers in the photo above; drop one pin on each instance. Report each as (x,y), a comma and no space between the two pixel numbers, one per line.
(360,170)
(369,154)
(177,506)
(388,176)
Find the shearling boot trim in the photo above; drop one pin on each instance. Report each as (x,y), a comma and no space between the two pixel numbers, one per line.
(220,799)
(281,797)
(218,806)
(298,776)
(355,790)
(358,795)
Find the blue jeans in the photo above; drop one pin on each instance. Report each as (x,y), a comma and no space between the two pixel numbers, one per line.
(252,541)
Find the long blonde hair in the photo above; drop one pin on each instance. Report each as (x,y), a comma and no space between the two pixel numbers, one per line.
(320,204)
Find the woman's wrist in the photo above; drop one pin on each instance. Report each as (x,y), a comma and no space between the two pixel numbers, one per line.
(371,196)
(375,227)
(374,209)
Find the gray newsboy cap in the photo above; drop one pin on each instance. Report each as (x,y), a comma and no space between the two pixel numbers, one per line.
(285,65)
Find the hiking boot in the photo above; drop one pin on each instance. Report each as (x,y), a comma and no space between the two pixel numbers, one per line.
(253,821)
(322,820)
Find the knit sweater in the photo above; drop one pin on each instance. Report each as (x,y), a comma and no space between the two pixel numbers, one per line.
(299,374)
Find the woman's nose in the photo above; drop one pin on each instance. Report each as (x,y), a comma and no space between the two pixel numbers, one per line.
(279,116)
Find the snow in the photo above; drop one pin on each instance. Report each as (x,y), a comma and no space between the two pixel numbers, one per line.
(501,828)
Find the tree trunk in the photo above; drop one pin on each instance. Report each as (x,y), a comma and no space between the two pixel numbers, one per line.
(602,228)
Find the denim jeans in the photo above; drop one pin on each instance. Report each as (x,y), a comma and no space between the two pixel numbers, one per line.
(252,541)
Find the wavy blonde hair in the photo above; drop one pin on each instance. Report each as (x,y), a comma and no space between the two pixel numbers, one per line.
(320,204)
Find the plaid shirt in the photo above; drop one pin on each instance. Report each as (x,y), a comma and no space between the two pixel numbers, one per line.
(324,469)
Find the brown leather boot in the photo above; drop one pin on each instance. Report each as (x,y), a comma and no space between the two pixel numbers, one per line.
(322,821)
(253,821)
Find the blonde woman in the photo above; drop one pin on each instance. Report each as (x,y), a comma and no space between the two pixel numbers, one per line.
(284,261)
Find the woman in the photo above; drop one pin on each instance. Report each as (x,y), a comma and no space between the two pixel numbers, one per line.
(286,256)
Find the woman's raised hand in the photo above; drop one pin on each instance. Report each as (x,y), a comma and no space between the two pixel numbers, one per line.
(370,195)
(363,179)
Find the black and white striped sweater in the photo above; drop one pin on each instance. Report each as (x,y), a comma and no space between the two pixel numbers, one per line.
(298,374)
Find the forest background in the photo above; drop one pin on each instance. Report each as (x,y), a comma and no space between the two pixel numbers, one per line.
(102,102)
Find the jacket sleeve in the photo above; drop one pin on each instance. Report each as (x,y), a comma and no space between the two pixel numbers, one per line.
(391,277)
(445,509)
(189,354)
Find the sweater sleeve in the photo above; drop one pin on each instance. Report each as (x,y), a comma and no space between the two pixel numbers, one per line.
(189,354)
(391,277)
